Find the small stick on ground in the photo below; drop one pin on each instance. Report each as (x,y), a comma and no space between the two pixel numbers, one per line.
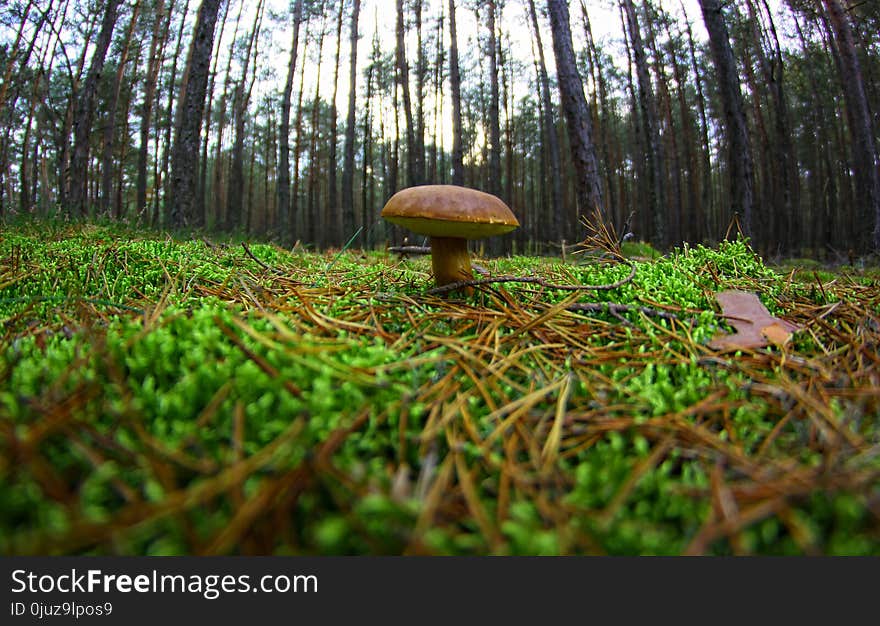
(532,280)
(258,261)
(405,250)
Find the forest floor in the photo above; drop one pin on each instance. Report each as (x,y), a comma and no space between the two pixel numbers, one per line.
(165,395)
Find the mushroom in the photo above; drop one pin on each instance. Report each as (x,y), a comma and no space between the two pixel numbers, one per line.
(449,215)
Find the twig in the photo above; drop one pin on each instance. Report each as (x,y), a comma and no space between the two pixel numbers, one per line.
(616,309)
(258,261)
(404,250)
(533,280)
(625,231)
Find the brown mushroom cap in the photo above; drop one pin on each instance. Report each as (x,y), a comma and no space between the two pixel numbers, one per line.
(449,211)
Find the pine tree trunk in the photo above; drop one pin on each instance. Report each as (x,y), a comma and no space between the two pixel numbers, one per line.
(421,64)
(109,134)
(241,98)
(161,29)
(650,123)
(333,225)
(85,113)
(202,190)
(188,118)
(348,209)
(864,150)
(550,136)
(403,82)
(455,88)
(312,200)
(739,152)
(284,128)
(588,185)
(494,115)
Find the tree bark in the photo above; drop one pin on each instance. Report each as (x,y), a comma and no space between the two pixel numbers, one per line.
(588,186)
(403,82)
(85,113)
(348,151)
(864,149)
(333,227)
(188,118)
(739,151)
(241,98)
(161,28)
(201,190)
(110,122)
(455,88)
(549,136)
(650,119)
(284,127)
(494,123)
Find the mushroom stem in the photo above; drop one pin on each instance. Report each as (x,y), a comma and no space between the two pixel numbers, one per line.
(450,260)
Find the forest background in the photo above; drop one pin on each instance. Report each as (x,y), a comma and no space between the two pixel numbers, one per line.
(296,121)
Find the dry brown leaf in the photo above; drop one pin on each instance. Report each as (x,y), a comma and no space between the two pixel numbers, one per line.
(755,327)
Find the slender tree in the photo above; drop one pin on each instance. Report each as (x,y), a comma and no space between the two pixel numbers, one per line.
(85,113)
(494,122)
(109,134)
(455,91)
(333,223)
(403,83)
(188,119)
(550,138)
(349,149)
(864,150)
(739,151)
(161,27)
(650,120)
(242,94)
(588,185)
(283,184)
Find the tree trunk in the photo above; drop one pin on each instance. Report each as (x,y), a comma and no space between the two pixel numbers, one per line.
(550,136)
(161,176)
(421,69)
(161,29)
(588,185)
(188,118)
(333,225)
(786,153)
(366,209)
(85,113)
(201,191)
(864,149)
(112,106)
(455,87)
(706,209)
(739,152)
(348,220)
(283,184)
(494,123)
(690,209)
(312,202)
(295,216)
(650,120)
(403,82)
(241,98)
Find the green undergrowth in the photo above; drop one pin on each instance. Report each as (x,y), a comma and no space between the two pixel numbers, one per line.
(171,395)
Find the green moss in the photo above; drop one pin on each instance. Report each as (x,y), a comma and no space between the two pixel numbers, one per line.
(144,367)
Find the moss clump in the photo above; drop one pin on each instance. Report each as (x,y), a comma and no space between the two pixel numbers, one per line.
(160,395)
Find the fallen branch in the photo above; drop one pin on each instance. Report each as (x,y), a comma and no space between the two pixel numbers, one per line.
(535,280)
(258,261)
(616,309)
(405,250)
